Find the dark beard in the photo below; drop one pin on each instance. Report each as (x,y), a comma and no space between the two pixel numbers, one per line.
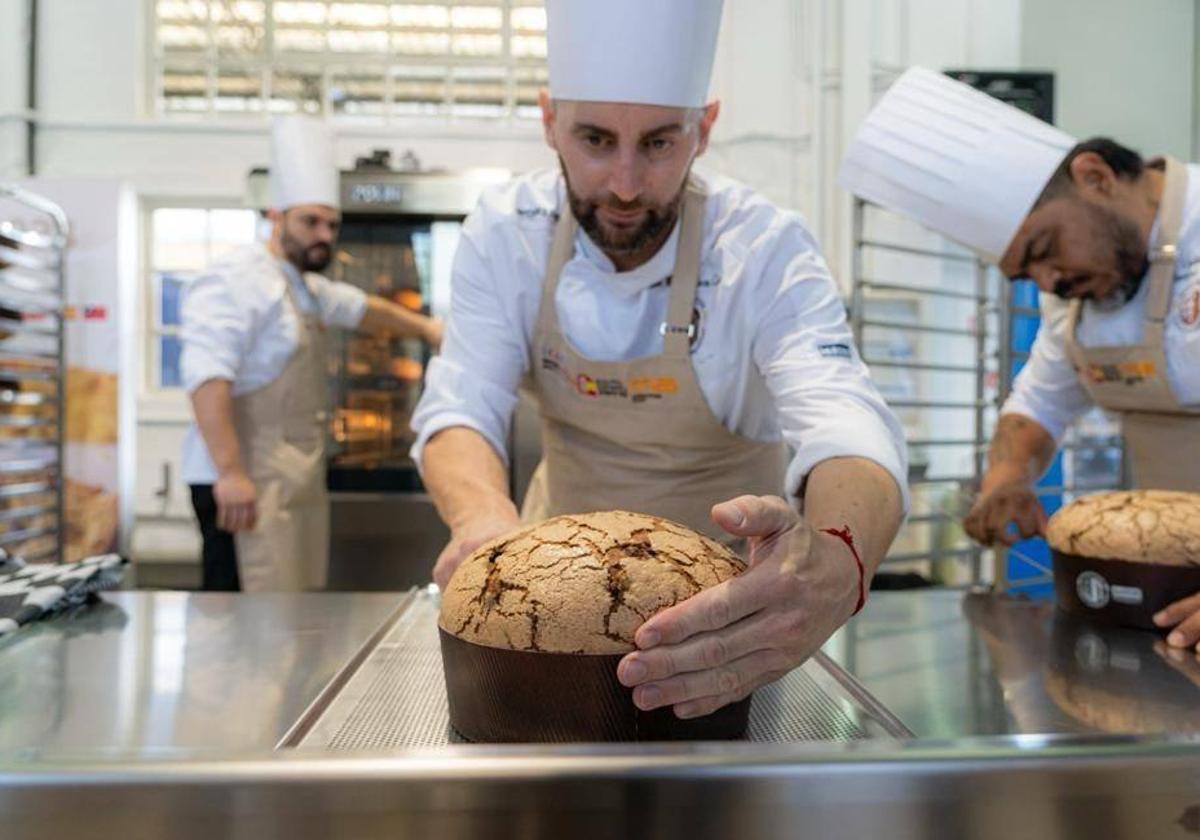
(642,241)
(1128,256)
(315,258)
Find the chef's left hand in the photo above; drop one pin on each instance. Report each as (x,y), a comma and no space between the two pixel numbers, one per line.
(721,644)
(1184,616)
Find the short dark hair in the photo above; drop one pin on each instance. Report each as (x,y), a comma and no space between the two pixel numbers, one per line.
(1123,161)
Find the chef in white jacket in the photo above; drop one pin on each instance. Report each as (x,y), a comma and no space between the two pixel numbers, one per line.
(677,330)
(1113,243)
(254,363)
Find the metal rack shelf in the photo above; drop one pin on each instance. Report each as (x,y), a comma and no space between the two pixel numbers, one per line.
(928,342)
(959,313)
(33,241)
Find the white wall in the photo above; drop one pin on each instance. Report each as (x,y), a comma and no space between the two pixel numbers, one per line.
(1124,69)
(13,37)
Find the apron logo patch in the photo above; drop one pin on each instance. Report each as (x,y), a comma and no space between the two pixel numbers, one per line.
(834,351)
(652,388)
(590,387)
(1130,373)
(637,390)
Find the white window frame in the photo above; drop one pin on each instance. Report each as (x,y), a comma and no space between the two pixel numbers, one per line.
(208,61)
(152,396)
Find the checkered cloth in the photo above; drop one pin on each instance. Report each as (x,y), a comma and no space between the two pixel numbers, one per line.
(29,592)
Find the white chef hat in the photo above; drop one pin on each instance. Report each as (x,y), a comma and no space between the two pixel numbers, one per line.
(303,165)
(652,52)
(958,161)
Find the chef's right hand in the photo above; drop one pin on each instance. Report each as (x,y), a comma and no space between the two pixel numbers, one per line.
(1012,502)
(434,332)
(237,502)
(467,537)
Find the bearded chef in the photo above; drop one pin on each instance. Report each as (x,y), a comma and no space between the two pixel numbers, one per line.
(676,330)
(1113,243)
(254,363)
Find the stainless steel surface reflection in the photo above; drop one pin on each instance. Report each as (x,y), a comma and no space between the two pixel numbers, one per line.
(953,664)
(155,670)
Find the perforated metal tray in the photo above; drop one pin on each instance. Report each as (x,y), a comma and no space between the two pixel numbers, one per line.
(392,696)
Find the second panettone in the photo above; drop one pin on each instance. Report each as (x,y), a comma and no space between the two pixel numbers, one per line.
(1124,555)
(534,624)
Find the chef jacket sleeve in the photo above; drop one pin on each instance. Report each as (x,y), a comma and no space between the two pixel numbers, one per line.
(217,331)
(828,406)
(1047,389)
(340,304)
(473,381)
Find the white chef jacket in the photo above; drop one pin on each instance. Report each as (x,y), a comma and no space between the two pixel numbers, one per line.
(774,357)
(238,326)
(1048,389)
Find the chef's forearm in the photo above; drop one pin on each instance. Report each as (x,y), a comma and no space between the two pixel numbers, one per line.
(1020,452)
(860,495)
(465,476)
(384,317)
(212,404)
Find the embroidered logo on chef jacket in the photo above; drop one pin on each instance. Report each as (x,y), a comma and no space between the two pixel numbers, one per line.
(835,351)
(1189,307)
(536,217)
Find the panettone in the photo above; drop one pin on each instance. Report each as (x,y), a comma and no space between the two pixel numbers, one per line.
(580,584)
(1123,556)
(533,625)
(1138,526)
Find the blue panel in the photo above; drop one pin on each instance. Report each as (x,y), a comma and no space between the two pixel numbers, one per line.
(170,349)
(1024,329)
(170,293)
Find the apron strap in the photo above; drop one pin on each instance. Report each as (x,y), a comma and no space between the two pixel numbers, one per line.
(562,248)
(1074,350)
(1162,259)
(678,330)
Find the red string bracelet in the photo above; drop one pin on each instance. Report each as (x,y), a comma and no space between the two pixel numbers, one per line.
(845,536)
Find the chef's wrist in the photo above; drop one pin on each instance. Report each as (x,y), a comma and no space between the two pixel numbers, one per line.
(500,510)
(840,554)
(1003,474)
(229,471)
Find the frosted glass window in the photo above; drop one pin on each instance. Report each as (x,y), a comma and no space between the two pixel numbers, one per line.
(348,58)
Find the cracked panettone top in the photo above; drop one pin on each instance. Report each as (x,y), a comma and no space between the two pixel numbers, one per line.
(1140,526)
(580,584)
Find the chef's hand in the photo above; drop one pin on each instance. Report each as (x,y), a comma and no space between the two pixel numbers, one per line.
(433,333)
(1014,502)
(467,537)
(719,645)
(1184,616)
(237,502)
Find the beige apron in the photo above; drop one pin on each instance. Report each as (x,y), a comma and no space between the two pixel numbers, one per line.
(637,435)
(281,430)
(1161,435)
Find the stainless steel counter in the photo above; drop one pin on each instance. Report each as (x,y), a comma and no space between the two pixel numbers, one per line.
(153,715)
(151,671)
(144,670)
(952,664)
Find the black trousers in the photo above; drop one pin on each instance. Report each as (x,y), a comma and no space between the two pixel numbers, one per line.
(219,554)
